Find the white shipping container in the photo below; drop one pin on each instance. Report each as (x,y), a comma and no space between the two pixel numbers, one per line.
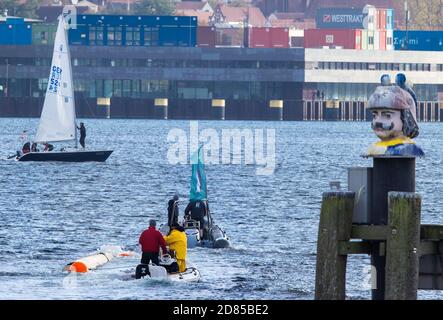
(371,19)
(376,40)
(390,39)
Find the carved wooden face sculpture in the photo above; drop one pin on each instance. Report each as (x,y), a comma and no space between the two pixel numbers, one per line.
(387,123)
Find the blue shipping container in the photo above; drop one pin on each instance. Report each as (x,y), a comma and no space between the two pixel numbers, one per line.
(390,19)
(15,34)
(418,40)
(340,18)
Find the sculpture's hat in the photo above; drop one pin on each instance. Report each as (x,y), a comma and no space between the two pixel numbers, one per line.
(392,97)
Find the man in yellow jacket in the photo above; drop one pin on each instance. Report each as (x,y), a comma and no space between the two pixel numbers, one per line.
(177,241)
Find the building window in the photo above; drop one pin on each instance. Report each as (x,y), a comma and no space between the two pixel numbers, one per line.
(42,84)
(150,36)
(132,36)
(114,36)
(117,88)
(96,36)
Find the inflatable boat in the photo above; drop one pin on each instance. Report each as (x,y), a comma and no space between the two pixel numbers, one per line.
(167,270)
(213,237)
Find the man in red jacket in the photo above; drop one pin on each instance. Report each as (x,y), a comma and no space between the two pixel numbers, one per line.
(151,240)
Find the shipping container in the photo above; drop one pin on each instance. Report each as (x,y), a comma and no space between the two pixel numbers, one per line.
(268,37)
(371,22)
(358,39)
(297,42)
(390,39)
(115,30)
(280,38)
(296,37)
(382,39)
(333,38)
(390,19)
(229,37)
(371,39)
(43,33)
(381,19)
(259,37)
(340,18)
(376,40)
(177,36)
(205,36)
(364,39)
(15,32)
(418,40)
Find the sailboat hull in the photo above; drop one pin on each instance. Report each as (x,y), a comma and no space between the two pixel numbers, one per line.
(67,156)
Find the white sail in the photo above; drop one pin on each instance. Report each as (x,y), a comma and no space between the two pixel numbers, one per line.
(57,121)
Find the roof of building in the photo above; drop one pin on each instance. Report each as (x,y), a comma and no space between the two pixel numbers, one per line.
(296,16)
(287,20)
(86,3)
(231,15)
(51,13)
(202,16)
(3,19)
(190,5)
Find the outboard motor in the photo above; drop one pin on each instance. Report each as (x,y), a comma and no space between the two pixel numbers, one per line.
(219,238)
(205,228)
(142,271)
(169,264)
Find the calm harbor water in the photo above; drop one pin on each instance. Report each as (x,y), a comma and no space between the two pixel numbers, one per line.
(53,213)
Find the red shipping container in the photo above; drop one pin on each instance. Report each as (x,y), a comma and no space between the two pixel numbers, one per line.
(358,39)
(382,40)
(318,38)
(280,38)
(205,36)
(259,37)
(381,19)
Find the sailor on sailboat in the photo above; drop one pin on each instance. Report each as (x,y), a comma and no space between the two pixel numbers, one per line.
(58,119)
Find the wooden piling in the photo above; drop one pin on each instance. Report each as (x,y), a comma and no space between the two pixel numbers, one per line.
(403,242)
(335,227)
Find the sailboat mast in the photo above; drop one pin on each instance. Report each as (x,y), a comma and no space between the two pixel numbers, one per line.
(68,51)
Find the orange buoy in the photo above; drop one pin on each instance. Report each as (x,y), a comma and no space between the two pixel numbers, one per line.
(88,263)
(78,266)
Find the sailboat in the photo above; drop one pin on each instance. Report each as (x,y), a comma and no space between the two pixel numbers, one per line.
(58,119)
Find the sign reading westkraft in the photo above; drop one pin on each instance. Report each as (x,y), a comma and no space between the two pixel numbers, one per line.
(340,18)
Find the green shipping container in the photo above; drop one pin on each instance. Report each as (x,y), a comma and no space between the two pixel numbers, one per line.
(364,39)
(43,34)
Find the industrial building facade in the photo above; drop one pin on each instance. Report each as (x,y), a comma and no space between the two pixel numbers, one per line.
(133,77)
(122,65)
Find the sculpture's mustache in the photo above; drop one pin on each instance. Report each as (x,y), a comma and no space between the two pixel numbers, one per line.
(384,126)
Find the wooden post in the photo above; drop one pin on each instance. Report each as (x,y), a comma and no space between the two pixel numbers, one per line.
(403,241)
(335,226)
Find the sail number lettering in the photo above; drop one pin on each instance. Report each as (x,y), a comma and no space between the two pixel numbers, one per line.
(55,79)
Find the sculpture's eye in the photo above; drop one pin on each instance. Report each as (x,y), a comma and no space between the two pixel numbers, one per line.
(388,116)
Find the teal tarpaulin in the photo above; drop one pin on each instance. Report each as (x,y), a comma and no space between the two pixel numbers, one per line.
(198,177)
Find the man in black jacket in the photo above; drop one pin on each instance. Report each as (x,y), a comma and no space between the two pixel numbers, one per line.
(196,210)
(173,211)
(82,134)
